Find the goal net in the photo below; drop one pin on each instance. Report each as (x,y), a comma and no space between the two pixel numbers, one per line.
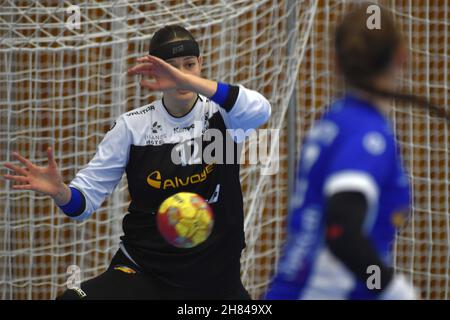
(64,86)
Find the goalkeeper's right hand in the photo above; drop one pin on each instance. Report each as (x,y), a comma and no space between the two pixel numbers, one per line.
(399,288)
(47,180)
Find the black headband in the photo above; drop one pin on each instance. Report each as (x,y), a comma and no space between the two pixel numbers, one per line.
(176,49)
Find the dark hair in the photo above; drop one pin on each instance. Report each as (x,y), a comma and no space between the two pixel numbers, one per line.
(169,34)
(363,53)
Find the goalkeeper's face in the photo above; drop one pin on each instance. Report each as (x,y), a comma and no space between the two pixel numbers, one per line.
(187,64)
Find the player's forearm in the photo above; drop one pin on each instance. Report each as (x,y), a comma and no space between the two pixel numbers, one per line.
(63,195)
(357,253)
(225,95)
(200,85)
(346,239)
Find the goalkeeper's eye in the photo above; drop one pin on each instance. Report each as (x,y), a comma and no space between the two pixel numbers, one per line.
(190,65)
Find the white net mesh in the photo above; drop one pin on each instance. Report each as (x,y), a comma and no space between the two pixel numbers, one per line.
(65,87)
(423,247)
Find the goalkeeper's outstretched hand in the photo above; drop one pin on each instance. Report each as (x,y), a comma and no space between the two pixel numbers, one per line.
(47,180)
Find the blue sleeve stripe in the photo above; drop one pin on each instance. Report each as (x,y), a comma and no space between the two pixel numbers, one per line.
(221,93)
(226,95)
(76,205)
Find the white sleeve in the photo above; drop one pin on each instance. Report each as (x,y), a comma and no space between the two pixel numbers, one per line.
(250,110)
(102,174)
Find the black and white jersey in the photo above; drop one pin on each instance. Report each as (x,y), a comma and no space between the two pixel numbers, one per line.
(141,143)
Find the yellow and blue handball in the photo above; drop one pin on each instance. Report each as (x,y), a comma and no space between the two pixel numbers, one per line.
(185,220)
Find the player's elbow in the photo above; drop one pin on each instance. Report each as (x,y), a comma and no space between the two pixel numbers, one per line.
(263,113)
(266,110)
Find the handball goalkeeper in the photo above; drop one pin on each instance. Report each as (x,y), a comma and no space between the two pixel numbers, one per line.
(141,143)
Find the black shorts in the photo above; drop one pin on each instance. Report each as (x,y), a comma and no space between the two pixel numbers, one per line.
(123,280)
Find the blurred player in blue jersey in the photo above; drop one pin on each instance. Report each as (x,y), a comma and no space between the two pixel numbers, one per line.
(351,188)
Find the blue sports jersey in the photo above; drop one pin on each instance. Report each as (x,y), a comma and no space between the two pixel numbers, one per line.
(352,148)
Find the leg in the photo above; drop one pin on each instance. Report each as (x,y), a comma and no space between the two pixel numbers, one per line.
(122,280)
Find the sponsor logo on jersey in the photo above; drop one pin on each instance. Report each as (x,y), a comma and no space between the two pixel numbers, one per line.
(324,132)
(140,112)
(125,269)
(183,129)
(156,127)
(155,180)
(157,136)
(374,143)
(300,246)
